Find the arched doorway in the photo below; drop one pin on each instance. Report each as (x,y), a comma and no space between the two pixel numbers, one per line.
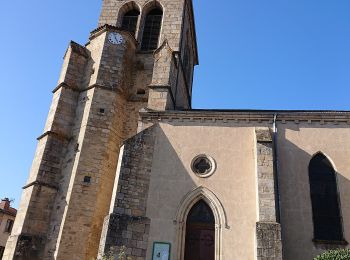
(200,233)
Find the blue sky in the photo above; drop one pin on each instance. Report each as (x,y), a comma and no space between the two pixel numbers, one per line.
(271,54)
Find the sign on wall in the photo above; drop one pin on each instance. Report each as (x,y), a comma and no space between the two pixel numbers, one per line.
(161,251)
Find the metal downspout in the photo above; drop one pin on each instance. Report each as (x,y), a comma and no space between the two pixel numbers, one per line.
(276,167)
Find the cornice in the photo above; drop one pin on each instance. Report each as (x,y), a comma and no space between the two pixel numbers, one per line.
(248,116)
(40,184)
(57,135)
(76,89)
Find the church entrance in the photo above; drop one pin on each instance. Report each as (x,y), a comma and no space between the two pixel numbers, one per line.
(200,233)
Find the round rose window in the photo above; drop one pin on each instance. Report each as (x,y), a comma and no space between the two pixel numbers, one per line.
(203,165)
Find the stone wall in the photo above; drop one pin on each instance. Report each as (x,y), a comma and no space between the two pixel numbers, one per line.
(98,133)
(269,241)
(172,21)
(126,228)
(168,87)
(33,219)
(268,231)
(84,130)
(266,180)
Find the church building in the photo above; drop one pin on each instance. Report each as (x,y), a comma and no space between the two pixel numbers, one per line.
(126,169)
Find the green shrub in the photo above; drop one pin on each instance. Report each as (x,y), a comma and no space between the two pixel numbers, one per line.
(121,255)
(343,254)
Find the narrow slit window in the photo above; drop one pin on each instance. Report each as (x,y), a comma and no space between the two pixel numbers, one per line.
(325,202)
(87,179)
(129,22)
(151,30)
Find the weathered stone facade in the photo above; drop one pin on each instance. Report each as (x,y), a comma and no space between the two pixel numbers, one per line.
(127,225)
(269,241)
(95,107)
(268,231)
(113,169)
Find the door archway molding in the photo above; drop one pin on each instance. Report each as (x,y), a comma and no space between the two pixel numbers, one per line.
(191,198)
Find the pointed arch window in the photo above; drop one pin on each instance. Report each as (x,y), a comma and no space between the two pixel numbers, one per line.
(325,202)
(151,30)
(129,21)
(201,213)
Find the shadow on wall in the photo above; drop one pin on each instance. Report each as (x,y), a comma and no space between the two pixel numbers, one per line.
(297,144)
(173,182)
(136,199)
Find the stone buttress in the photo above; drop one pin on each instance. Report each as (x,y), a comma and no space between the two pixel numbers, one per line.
(66,198)
(268,230)
(126,228)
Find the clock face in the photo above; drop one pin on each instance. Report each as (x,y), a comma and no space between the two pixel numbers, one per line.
(115,38)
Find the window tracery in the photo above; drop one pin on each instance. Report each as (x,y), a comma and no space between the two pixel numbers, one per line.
(129,21)
(203,165)
(151,30)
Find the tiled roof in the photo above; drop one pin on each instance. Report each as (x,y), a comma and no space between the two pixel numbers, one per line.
(10,211)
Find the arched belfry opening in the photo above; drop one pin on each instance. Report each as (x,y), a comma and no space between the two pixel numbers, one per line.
(129,22)
(151,29)
(200,233)
(324,198)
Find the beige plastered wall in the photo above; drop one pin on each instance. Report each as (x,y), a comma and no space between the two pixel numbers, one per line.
(4,235)
(297,143)
(234,183)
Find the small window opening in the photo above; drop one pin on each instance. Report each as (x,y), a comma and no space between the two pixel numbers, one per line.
(203,165)
(141,92)
(129,22)
(87,179)
(151,30)
(102,110)
(9,225)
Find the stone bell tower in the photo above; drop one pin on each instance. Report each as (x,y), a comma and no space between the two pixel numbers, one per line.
(141,55)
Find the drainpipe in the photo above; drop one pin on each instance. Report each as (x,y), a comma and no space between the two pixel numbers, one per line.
(275,172)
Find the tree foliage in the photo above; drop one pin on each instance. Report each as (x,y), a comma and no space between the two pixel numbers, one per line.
(343,254)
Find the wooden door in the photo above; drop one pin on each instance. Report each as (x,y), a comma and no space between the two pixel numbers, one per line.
(200,233)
